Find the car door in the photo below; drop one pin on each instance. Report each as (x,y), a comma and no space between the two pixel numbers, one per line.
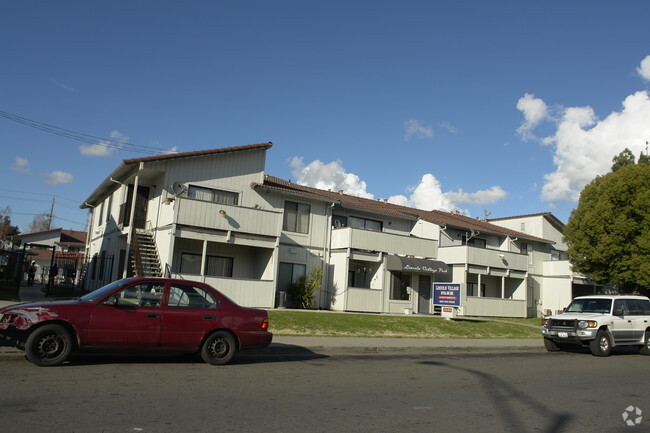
(639,316)
(128,319)
(190,312)
(622,325)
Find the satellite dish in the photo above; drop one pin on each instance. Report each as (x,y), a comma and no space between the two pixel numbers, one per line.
(179,188)
(487,213)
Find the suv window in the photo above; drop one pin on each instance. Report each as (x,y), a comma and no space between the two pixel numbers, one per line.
(590,306)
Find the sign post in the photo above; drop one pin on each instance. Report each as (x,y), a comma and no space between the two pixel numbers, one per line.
(447,296)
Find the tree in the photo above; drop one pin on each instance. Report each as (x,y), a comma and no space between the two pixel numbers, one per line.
(40,223)
(625,158)
(608,234)
(6,229)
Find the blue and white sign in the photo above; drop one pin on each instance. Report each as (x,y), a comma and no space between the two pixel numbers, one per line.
(446,294)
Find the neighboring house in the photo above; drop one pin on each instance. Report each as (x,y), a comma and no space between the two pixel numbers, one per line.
(63,249)
(215,216)
(552,273)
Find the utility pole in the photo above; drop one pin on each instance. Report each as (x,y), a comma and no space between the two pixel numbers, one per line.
(49,223)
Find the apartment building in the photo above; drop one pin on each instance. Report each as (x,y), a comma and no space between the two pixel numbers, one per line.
(215,216)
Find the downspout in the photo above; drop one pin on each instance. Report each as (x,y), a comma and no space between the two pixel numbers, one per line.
(327,247)
(131,219)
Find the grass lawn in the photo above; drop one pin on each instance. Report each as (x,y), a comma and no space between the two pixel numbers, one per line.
(330,324)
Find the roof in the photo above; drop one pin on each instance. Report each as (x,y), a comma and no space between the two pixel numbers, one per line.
(129,166)
(65,236)
(555,221)
(445,219)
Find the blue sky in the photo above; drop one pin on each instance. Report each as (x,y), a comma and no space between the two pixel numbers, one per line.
(509,106)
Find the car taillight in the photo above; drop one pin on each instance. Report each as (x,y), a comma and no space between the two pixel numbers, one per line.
(265,324)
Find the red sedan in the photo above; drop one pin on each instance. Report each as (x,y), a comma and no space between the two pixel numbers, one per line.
(148,314)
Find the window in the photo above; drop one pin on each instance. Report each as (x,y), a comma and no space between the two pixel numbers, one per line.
(189,296)
(215,266)
(296,217)
(474,242)
(141,295)
(290,272)
(108,208)
(213,195)
(525,248)
(472,289)
(365,224)
(100,215)
(339,221)
(401,287)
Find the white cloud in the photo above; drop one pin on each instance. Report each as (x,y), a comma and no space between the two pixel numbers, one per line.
(105,148)
(644,69)
(413,128)
(534,111)
(21,165)
(427,195)
(486,196)
(585,145)
(331,176)
(62,86)
(449,127)
(58,177)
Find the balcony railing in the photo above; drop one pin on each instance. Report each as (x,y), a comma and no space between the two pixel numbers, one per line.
(484,257)
(386,242)
(218,216)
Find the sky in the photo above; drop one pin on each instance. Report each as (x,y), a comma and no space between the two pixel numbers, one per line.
(509,107)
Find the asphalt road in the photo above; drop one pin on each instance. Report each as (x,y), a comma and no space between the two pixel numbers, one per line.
(455,392)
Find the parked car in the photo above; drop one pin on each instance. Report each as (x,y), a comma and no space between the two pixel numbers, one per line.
(600,322)
(144,314)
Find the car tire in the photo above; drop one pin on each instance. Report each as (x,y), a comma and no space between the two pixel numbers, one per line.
(602,345)
(48,345)
(551,345)
(219,348)
(645,349)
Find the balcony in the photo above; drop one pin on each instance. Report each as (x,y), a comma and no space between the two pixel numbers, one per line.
(216,216)
(484,257)
(386,242)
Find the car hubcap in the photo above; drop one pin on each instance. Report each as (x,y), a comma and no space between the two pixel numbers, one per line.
(219,348)
(50,346)
(604,344)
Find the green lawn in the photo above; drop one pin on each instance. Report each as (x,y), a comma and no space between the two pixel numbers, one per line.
(330,324)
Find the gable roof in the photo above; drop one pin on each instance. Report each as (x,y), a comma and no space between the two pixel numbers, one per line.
(552,219)
(129,166)
(441,218)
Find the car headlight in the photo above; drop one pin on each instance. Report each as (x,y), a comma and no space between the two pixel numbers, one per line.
(545,322)
(587,324)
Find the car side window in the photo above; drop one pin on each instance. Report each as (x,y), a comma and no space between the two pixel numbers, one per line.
(140,295)
(621,304)
(189,296)
(639,307)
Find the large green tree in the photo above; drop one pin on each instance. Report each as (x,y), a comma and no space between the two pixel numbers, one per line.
(608,234)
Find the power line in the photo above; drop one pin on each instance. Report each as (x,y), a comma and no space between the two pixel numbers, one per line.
(82,137)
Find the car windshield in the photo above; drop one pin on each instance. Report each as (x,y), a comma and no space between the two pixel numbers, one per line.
(590,305)
(103,291)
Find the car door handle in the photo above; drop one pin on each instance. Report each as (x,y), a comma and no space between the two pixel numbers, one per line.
(208,317)
(153,316)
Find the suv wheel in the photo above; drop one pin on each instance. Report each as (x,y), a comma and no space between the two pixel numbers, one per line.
(601,346)
(551,345)
(645,349)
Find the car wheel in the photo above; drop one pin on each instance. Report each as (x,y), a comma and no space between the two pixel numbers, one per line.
(219,348)
(48,345)
(551,345)
(601,346)
(645,349)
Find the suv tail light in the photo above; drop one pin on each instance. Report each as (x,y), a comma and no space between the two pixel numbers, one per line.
(265,324)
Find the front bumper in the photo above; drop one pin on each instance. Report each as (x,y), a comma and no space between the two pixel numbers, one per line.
(569,335)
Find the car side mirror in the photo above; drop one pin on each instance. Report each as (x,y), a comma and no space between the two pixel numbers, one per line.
(111,301)
(618,312)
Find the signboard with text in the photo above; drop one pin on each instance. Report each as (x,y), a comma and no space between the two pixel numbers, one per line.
(446,295)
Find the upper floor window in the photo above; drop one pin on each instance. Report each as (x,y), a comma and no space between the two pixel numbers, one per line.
(525,248)
(475,242)
(214,195)
(296,217)
(365,224)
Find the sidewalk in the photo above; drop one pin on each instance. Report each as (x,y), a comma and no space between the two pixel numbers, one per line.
(305,346)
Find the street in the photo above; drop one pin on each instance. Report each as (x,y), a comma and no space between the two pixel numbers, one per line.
(459,392)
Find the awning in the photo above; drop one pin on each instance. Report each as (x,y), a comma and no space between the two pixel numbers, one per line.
(410,264)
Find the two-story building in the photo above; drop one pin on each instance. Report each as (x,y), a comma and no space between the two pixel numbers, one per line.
(215,216)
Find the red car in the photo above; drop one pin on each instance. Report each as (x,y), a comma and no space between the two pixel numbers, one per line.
(150,314)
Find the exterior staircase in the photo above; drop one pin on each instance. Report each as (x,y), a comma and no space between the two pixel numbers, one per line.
(144,255)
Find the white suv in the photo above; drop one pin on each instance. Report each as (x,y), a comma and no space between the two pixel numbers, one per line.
(600,322)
